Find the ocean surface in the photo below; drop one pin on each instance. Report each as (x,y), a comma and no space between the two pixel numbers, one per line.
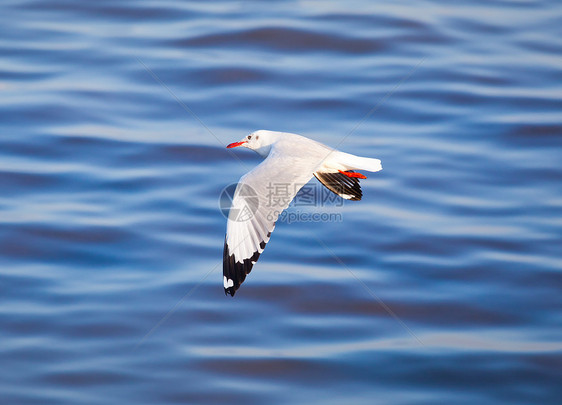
(442,286)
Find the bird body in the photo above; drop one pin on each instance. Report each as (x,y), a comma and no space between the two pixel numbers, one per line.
(264,192)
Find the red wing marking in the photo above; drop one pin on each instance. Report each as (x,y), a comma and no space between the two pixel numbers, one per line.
(353,174)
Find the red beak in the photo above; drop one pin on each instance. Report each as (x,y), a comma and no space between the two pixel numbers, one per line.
(235,144)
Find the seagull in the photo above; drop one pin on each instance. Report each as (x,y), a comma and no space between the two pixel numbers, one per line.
(265,191)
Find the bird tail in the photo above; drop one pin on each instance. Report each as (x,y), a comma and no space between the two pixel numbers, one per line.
(352,162)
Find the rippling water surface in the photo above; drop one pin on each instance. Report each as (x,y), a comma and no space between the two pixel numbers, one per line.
(442,285)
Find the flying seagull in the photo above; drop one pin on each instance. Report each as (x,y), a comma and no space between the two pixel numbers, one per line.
(264,192)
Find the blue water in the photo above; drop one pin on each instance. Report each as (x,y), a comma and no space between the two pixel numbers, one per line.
(442,285)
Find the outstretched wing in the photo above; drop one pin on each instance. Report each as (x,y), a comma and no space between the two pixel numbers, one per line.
(260,197)
(340,184)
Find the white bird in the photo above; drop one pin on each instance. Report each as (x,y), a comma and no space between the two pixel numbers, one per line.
(264,192)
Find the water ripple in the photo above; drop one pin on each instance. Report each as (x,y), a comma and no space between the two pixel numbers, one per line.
(447,279)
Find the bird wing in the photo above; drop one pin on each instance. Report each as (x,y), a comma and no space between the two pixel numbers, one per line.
(260,197)
(344,186)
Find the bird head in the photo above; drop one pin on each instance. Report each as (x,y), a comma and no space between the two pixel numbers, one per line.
(259,141)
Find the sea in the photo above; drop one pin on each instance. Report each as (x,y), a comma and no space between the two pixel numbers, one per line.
(442,285)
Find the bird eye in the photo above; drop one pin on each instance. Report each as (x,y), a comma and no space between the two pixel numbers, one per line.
(249,137)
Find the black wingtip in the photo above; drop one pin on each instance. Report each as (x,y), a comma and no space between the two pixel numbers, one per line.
(341,184)
(235,271)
